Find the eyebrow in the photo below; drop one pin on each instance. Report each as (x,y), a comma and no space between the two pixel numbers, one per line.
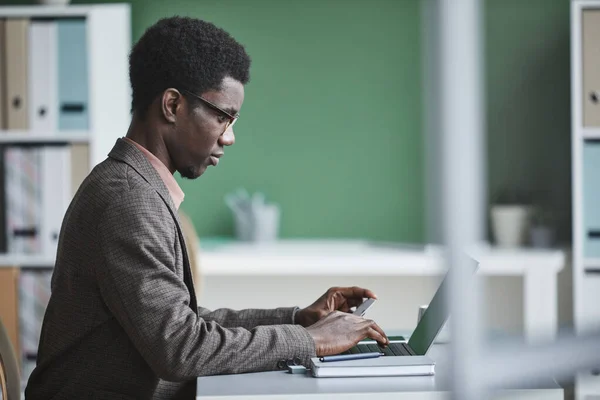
(231,111)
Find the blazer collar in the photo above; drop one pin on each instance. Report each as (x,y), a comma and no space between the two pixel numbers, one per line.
(126,152)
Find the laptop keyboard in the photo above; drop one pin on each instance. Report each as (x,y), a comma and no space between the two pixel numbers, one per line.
(393,349)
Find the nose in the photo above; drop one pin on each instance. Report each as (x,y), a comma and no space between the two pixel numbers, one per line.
(228,137)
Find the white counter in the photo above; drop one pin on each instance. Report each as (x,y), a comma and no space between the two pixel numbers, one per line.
(355,258)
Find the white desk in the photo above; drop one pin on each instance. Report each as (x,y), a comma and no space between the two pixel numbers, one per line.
(315,258)
(281,385)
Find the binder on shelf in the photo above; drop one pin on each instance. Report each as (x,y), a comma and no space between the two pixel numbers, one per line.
(80,162)
(2,73)
(591,197)
(9,304)
(43,77)
(23,200)
(16,44)
(2,126)
(590,30)
(3,222)
(34,295)
(56,194)
(72,75)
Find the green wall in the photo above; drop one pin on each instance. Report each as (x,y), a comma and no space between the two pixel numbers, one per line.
(528,102)
(331,127)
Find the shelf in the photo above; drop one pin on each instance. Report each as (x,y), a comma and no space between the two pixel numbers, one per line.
(50,11)
(27,260)
(27,137)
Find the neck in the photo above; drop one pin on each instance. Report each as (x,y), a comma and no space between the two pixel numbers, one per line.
(146,134)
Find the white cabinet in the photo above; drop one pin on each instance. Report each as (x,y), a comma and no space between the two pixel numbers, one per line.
(585,133)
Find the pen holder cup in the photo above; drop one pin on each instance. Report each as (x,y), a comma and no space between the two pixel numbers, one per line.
(259,225)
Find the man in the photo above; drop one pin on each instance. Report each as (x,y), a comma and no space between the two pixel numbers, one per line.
(122,321)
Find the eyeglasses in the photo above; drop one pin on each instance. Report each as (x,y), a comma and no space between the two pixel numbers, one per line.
(232,118)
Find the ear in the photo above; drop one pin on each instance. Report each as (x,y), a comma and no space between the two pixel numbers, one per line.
(171,101)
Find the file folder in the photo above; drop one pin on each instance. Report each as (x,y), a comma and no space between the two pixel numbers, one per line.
(56,194)
(72,75)
(80,162)
(590,67)
(16,44)
(9,305)
(2,74)
(23,199)
(43,77)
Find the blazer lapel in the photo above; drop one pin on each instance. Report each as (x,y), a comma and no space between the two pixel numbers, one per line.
(129,154)
(126,152)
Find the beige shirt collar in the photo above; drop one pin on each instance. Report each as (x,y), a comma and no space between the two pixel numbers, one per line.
(167,177)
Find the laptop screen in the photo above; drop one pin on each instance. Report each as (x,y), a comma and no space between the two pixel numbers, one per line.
(433,319)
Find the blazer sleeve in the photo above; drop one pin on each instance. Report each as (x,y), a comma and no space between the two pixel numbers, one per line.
(140,286)
(249,318)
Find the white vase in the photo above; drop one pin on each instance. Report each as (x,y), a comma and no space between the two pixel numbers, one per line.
(54,2)
(510,224)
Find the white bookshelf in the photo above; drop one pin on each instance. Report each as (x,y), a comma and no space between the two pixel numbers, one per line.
(109,90)
(14,137)
(585,136)
(108,30)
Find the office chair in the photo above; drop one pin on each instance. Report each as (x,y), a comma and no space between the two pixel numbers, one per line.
(192,245)
(10,379)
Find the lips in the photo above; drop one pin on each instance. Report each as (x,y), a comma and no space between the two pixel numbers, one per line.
(214,159)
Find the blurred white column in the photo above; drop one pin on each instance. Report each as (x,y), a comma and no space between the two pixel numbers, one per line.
(462,170)
(434,42)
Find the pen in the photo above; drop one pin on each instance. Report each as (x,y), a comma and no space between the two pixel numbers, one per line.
(346,357)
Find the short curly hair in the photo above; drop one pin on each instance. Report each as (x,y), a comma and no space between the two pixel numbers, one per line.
(183,53)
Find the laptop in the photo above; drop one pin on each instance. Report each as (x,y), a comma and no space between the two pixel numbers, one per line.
(400,358)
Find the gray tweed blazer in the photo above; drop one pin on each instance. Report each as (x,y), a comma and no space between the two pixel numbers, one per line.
(122,321)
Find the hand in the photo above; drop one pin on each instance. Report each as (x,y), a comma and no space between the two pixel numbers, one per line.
(335,299)
(339,331)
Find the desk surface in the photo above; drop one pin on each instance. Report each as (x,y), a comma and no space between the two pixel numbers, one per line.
(281,384)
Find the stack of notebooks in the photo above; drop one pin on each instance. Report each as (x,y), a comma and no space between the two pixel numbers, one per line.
(382,366)
(397,359)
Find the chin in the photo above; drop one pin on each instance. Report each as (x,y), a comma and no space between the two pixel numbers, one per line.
(192,172)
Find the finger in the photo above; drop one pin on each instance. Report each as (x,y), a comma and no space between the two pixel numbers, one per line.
(383,339)
(376,335)
(338,301)
(357,292)
(332,290)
